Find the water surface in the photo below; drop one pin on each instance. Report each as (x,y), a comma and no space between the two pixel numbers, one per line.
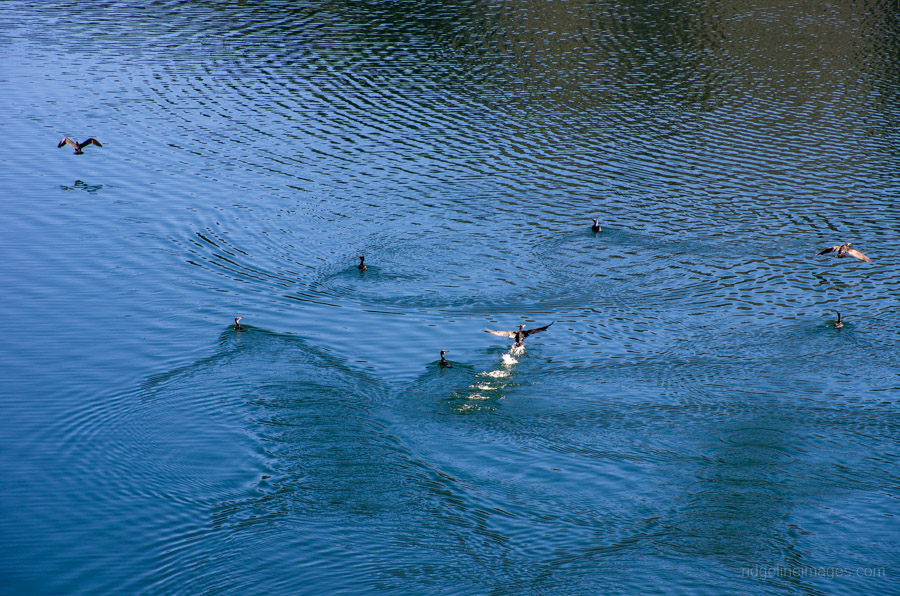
(691,422)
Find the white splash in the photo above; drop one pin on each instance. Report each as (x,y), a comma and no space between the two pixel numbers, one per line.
(497,374)
(508,361)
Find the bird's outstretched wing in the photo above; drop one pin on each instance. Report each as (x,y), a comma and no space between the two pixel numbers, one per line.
(855,253)
(502,333)
(67,141)
(834,248)
(528,332)
(92,141)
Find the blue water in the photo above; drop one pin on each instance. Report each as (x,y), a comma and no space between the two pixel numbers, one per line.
(691,423)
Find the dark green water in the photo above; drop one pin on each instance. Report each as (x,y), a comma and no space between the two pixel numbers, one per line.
(691,423)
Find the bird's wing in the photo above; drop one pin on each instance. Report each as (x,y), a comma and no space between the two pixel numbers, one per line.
(855,253)
(537,330)
(67,141)
(94,141)
(831,249)
(502,333)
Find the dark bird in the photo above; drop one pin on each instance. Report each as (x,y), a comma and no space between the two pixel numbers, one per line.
(519,335)
(78,146)
(237,324)
(596,227)
(839,323)
(444,362)
(843,250)
(362,264)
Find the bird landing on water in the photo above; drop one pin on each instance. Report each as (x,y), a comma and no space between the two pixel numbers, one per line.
(844,250)
(520,334)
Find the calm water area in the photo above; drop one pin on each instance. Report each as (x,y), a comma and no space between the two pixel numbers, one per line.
(692,422)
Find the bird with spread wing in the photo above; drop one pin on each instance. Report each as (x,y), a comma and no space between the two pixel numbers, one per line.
(78,146)
(843,250)
(519,335)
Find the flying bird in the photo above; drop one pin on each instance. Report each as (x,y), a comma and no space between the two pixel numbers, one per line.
(78,146)
(362,264)
(519,335)
(843,250)
(596,227)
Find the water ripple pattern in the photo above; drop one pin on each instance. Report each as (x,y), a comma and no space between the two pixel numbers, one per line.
(691,422)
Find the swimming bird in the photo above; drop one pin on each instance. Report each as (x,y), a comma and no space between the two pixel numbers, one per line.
(78,146)
(519,335)
(237,324)
(596,226)
(839,323)
(362,264)
(843,250)
(444,362)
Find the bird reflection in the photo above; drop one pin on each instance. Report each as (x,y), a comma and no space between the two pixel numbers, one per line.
(82,185)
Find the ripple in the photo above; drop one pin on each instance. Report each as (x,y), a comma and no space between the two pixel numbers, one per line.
(692,402)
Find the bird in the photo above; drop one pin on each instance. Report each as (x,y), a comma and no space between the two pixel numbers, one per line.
(78,146)
(237,324)
(596,227)
(444,362)
(839,323)
(519,335)
(362,264)
(843,250)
